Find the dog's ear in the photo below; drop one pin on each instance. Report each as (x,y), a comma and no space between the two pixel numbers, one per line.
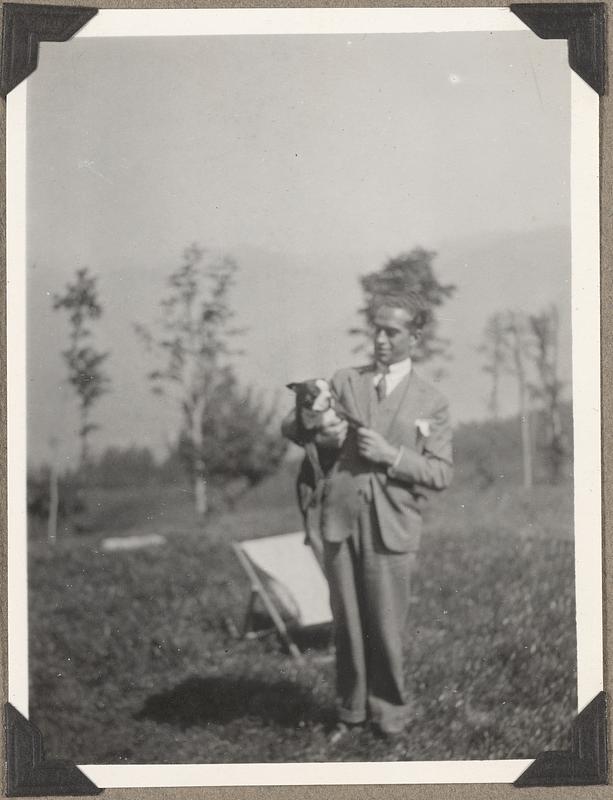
(292,386)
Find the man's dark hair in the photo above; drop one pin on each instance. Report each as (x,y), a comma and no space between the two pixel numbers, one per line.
(411,302)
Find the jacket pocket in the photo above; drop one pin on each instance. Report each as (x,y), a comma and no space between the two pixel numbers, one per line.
(403,498)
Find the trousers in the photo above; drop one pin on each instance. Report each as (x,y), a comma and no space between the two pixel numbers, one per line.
(369,598)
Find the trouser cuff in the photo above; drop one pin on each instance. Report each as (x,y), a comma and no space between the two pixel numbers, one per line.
(351,717)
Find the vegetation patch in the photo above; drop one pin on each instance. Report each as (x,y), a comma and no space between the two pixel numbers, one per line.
(133,661)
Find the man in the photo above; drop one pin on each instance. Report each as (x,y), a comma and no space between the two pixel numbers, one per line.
(369,512)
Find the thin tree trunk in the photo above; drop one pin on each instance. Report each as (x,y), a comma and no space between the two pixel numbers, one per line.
(494,399)
(524,412)
(200,488)
(84,452)
(200,494)
(496,367)
(53,496)
(526,445)
(556,444)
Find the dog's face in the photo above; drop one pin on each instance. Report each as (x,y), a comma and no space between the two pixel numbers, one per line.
(313,394)
(313,399)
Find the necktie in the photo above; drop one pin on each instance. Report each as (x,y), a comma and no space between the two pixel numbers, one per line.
(381,387)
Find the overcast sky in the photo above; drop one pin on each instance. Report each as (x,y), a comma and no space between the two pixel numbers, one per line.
(311,159)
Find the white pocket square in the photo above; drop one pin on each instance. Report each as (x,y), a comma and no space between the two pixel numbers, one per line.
(423,426)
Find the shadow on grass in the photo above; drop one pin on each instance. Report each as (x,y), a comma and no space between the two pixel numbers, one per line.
(199,701)
(315,637)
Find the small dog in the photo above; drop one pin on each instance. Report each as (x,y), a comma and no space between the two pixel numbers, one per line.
(317,406)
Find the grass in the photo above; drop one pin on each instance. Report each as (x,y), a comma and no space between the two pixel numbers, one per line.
(132,659)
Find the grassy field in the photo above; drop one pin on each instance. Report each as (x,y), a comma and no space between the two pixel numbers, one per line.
(132,659)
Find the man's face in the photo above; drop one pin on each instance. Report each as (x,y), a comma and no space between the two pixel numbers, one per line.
(394,340)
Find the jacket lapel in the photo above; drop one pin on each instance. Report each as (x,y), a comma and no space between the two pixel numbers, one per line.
(362,389)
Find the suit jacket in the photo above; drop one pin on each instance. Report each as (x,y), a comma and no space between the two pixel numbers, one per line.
(331,506)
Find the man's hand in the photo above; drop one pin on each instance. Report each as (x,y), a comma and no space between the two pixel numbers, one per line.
(332,434)
(374,447)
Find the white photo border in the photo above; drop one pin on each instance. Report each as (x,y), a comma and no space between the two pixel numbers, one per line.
(586,384)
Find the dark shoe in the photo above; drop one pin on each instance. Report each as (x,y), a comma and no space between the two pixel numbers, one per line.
(389,732)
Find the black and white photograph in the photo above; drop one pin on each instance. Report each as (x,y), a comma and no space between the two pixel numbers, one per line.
(309,478)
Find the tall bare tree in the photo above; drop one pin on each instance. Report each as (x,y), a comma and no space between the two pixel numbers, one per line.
(508,345)
(193,341)
(519,344)
(545,328)
(85,373)
(493,348)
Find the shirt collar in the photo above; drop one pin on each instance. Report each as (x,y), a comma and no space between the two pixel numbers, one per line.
(399,370)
